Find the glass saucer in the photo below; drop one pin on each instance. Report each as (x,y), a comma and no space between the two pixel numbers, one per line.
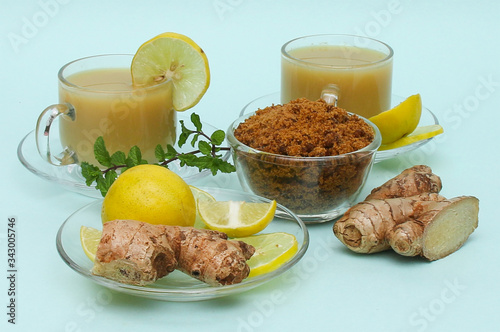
(427,118)
(70,177)
(176,286)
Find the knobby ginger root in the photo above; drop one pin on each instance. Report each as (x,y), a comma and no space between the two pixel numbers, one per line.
(408,215)
(139,253)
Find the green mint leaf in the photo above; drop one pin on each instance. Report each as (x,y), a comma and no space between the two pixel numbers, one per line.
(205,148)
(171,152)
(118,158)
(135,157)
(104,182)
(90,172)
(188,159)
(160,153)
(224,166)
(195,119)
(184,135)
(218,137)
(195,138)
(101,153)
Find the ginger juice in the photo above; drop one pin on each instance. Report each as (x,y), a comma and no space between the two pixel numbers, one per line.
(107,104)
(362,76)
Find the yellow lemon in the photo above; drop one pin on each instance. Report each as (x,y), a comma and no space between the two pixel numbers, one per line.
(90,238)
(152,194)
(271,251)
(400,120)
(236,218)
(172,56)
(418,134)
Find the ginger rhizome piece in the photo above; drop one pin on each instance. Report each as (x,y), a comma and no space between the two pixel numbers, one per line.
(139,253)
(408,215)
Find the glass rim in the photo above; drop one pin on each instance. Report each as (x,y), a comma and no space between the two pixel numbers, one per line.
(62,77)
(390,52)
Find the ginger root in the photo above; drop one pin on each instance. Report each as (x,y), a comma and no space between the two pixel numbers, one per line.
(139,253)
(408,215)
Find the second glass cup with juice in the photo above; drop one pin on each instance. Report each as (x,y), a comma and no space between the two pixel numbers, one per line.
(356,71)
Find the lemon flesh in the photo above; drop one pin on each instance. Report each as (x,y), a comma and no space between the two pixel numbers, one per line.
(200,195)
(152,194)
(418,134)
(271,251)
(172,56)
(236,218)
(90,238)
(400,120)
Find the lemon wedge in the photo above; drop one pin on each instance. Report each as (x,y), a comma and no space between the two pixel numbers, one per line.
(90,238)
(400,120)
(418,134)
(173,56)
(236,218)
(271,251)
(200,195)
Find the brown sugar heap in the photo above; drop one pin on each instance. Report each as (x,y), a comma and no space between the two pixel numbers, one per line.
(304,128)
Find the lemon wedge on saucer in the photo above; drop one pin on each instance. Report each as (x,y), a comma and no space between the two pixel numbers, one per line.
(200,195)
(173,56)
(236,218)
(271,251)
(418,134)
(90,238)
(400,120)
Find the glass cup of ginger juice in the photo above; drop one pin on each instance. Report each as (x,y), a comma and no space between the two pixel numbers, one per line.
(97,99)
(352,72)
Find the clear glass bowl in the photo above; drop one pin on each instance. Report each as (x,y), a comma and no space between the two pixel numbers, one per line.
(176,286)
(317,189)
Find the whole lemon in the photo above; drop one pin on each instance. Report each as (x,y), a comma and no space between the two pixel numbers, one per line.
(152,194)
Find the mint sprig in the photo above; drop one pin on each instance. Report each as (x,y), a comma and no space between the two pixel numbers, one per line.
(206,155)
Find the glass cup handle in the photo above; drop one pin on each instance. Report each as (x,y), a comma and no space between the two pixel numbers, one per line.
(330,94)
(42,134)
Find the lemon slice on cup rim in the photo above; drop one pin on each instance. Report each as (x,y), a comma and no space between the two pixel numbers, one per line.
(176,57)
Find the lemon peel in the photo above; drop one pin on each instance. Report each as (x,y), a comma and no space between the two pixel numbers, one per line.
(419,134)
(89,239)
(200,195)
(152,194)
(399,121)
(271,251)
(176,57)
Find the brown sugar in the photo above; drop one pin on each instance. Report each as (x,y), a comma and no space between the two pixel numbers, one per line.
(305,128)
(302,128)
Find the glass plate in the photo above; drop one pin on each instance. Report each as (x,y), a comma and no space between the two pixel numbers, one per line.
(70,176)
(177,286)
(427,118)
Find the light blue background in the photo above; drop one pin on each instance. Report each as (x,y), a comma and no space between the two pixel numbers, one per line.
(448,51)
